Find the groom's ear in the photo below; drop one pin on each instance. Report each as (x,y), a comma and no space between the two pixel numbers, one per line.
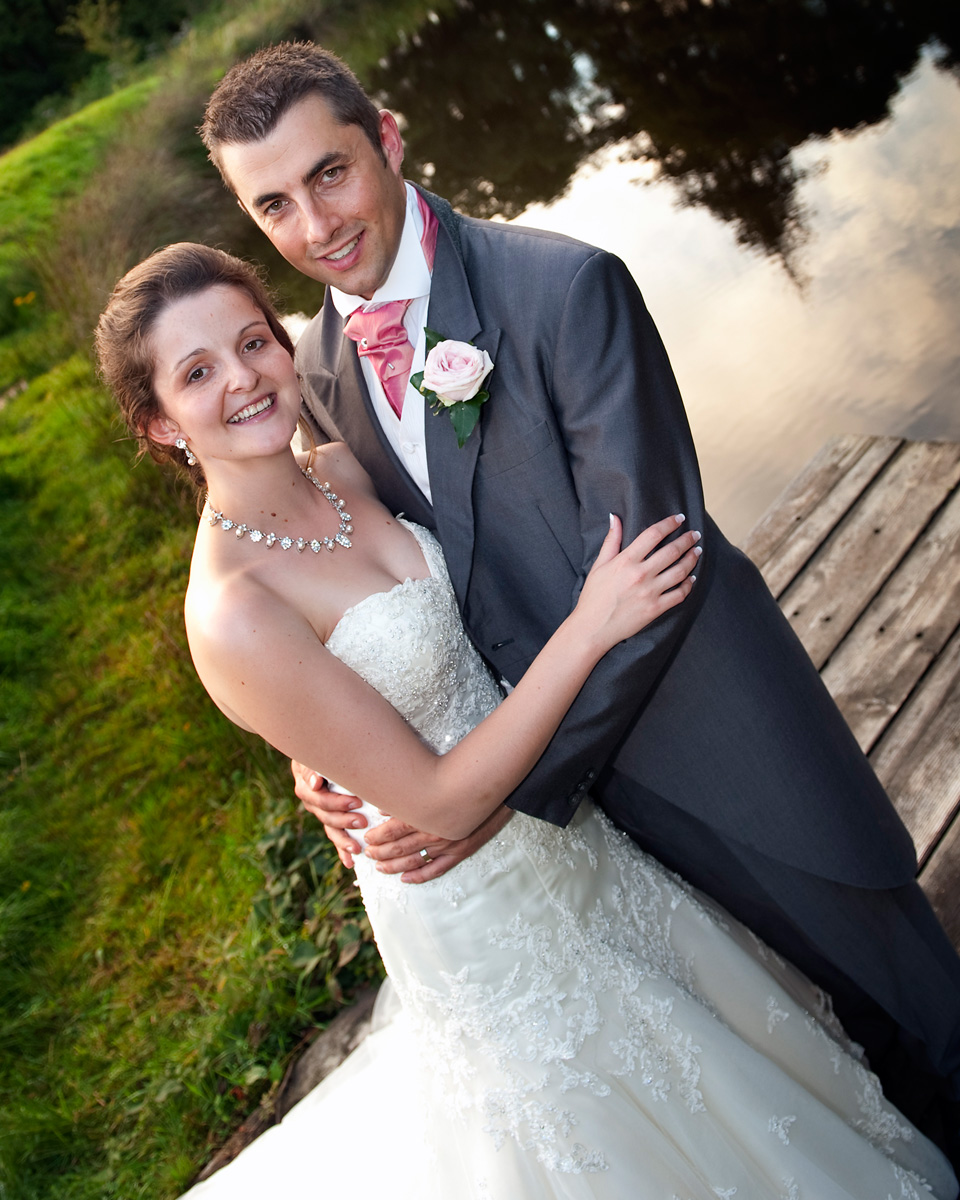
(391,141)
(162,430)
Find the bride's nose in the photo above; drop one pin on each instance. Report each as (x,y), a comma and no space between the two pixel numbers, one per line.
(242,376)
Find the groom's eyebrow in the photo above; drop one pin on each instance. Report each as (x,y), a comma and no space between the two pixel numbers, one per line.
(321,165)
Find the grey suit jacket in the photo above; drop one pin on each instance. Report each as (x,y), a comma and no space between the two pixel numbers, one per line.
(715,707)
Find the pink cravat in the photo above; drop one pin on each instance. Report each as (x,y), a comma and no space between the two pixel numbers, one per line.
(380,334)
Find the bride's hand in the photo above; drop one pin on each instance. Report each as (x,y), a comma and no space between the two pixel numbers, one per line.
(627,589)
(395,847)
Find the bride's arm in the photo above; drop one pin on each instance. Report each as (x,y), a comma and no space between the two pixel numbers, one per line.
(264,665)
(394,845)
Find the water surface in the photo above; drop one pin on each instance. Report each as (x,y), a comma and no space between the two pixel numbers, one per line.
(781,178)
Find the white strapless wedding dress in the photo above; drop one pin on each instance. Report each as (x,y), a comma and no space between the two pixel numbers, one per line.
(573,1021)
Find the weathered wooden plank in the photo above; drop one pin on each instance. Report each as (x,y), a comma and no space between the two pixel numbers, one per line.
(894,641)
(827,510)
(803,494)
(795,552)
(939,880)
(918,758)
(848,571)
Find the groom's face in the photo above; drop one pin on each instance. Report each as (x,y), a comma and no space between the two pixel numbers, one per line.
(324,196)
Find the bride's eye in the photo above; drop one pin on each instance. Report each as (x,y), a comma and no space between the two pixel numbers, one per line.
(255,343)
(196,374)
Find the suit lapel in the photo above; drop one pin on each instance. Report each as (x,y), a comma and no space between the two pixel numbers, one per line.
(453,314)
(337,381)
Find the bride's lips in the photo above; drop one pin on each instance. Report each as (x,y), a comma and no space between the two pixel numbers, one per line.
(254,409)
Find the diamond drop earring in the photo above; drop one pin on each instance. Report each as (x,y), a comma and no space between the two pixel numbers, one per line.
(181,444)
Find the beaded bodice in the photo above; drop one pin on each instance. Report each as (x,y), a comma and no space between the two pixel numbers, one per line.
(409,644)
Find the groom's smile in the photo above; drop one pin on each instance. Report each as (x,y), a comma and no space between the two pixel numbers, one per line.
(331,203)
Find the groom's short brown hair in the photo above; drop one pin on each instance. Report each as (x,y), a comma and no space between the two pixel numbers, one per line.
(254,94)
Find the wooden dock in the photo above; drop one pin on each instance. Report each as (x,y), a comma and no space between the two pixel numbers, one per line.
(862,552)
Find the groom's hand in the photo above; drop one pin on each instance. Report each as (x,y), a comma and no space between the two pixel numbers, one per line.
(395,846)
(333,809)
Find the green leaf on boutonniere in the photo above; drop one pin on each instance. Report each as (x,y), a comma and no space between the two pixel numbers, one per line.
(465,415)
(432,338)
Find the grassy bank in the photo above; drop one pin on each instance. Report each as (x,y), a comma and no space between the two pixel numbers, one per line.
(169,924)
(171,927)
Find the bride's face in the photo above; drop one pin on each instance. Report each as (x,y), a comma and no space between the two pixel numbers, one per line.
(223,381)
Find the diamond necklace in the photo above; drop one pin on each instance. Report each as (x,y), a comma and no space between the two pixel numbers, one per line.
(315,544)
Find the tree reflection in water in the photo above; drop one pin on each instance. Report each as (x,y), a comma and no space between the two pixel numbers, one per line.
(503,101)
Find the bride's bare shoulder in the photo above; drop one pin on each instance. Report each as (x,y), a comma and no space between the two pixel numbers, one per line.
(218,604)
(237,622)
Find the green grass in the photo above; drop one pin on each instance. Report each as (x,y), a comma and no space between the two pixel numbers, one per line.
(154,980)
(38,175)
(171,925)
(36,178)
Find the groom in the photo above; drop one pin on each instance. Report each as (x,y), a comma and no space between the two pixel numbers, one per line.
(709,737)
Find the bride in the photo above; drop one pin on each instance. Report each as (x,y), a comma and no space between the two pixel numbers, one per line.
(573,1020)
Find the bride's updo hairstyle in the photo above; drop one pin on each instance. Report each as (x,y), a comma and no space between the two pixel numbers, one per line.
(123,332)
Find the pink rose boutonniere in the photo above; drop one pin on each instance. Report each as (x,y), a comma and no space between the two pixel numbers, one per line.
(451,379)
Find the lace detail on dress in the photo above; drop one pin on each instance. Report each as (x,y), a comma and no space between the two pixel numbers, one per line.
(559,971)
(910,1186)
(880,1123)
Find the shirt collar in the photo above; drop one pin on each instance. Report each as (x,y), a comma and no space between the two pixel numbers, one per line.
(409,276)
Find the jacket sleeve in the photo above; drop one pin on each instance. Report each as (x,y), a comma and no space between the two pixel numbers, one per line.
(312,415)
(631,453)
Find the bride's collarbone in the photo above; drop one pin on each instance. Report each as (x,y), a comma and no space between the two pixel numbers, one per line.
(325,585)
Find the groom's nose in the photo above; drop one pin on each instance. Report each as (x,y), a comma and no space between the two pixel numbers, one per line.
(321,222)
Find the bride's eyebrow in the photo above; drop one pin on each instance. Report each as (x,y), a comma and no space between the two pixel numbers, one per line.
(202,350)
(192,354)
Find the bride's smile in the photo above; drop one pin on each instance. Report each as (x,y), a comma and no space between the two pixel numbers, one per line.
(224,383)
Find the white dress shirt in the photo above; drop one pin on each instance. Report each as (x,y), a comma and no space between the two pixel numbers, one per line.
(409,279)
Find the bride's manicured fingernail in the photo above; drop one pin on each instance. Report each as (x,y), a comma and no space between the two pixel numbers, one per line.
(697,535)
(698,550)
(610,515)
(679,518)
(693,579)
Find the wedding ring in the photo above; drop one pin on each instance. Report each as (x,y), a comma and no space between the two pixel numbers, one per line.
(425,856)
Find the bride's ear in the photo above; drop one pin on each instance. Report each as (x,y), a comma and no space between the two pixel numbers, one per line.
(162,430)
